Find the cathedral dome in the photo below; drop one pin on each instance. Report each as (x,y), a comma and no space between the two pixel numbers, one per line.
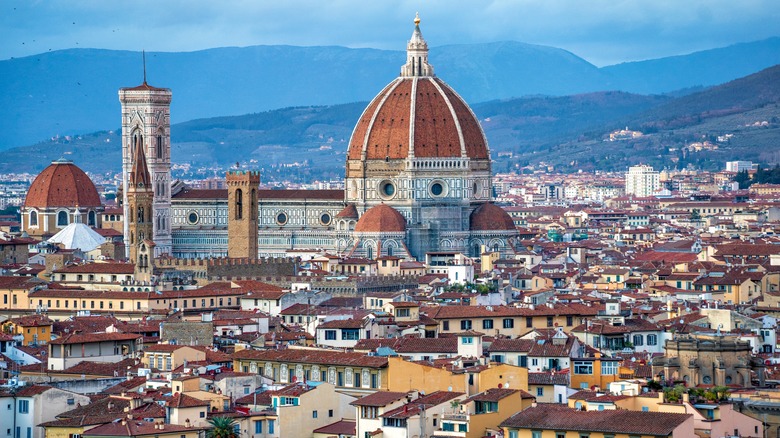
(62,184)
(417,116)
(381,218)
(490,217)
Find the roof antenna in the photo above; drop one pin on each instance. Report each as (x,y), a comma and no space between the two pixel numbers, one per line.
(143,53)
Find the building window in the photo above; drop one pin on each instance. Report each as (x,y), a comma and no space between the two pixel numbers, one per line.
(529,321)
(62,219)
(258,426)
(639,340)
(465,324)
(549,321)
(583,367)
(24,406)
(539,391)
(467,340)
(401,312)
(487,324)
(569,320)
(313,414)
(239,213)
(509,323)
(350,334)
(536,434)
(33,219)
(652,339)
(91,219)
(609,368)
(325,219)
(445,325)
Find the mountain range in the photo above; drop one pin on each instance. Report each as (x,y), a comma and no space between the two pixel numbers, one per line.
(568,132)
(74,91)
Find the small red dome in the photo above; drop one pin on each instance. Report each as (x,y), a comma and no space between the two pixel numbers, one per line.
(381,218)
(490,217)
(62,184)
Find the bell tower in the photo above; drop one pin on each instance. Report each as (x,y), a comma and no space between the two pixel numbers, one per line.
(139,207)
(146,123)
(242,213)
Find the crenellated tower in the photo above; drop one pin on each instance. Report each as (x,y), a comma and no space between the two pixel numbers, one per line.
(146,122)
(242,213)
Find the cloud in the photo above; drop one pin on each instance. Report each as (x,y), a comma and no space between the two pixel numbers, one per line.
(601,31)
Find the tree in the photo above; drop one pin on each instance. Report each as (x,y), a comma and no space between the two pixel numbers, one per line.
(674,395)
(743,178)
(222,427)
(695,216)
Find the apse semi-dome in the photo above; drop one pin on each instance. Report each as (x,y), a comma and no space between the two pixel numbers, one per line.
(381,219)
(490,217)
(62,184)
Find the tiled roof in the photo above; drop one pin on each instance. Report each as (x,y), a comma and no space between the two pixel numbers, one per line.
(490,217)
(415,406)
(381,218)
(135,428)
(548,379)
(379,399)
(62,184)
(494,395)
(32,321)
(98,268)
(339,428)
(75,338)
(313,357)
(341,324)
(181,400)
(555,417)
(10,282)
(110,369)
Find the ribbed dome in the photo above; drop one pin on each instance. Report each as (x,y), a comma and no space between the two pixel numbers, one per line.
(62,184)
(490,217)
(381,218)
(440,123)
(417,115)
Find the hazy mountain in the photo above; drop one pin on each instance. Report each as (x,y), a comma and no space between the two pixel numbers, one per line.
(705,68)
(75,91)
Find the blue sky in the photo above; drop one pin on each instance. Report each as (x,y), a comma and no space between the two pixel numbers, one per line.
(601,31)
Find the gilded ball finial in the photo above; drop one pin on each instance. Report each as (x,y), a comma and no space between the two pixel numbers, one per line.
(417,18)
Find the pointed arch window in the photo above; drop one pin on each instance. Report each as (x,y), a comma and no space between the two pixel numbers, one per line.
(239,204)
(140,214)
(62,219)
(159,146)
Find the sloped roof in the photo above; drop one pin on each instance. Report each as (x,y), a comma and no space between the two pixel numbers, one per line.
(78,236)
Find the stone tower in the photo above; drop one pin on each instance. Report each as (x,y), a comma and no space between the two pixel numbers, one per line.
(242,214)
(139,206)
(146,122)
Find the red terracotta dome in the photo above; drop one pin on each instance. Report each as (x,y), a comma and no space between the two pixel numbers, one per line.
(381,218)
(440,123)
(62,184)
(490,217)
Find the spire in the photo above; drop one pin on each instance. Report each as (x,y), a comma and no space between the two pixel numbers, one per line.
(143,53)
(139,173)
(417,54)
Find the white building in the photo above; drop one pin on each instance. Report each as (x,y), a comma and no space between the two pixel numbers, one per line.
(738,166)
(642,181)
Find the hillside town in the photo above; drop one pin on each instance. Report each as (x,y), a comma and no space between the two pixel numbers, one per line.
(422,296)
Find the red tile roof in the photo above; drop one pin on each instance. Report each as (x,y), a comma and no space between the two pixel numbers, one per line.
(313,357)
(556,417)
(379,399)
(62,184)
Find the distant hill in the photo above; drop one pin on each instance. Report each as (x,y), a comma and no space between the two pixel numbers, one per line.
(704,68)
(75,91)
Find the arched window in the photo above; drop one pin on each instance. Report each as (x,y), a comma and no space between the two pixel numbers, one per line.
(62,219)
(140,215)
(159,146)
(370,252)
(33,218)
(92,219)
(390,251)
(239,204)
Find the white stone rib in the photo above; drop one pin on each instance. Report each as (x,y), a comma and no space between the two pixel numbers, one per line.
(454,118)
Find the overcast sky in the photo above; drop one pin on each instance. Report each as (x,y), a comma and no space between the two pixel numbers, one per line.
(601,31)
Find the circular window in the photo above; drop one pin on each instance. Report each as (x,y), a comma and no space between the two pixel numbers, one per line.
(476,187)
(437,189)
(325,219)
(281,218)
(707,380)
(193,218)
(387,189)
